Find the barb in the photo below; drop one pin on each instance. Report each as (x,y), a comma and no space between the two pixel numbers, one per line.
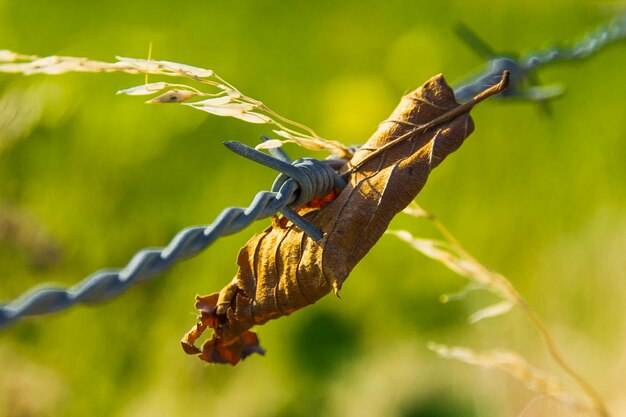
(523,70)
(104,285)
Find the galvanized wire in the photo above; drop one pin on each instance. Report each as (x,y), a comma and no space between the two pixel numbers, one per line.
(104,285)
(523,83)
(613,31)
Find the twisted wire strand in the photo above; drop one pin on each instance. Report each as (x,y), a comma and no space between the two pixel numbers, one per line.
(610,32)
(107,284)
(319,179)
(522,69)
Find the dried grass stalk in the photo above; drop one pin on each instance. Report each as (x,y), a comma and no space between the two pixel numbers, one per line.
(515,365)
(451,253)
(224,99)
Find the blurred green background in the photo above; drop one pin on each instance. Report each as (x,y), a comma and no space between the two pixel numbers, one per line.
(87,178)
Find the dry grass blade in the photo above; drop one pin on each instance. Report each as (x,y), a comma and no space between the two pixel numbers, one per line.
(543,405)
(494,310)
(224,99)
(516,366)
(452,254)
(453,259)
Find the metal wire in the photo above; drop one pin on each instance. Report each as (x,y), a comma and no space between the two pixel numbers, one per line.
(104,285)
(603,35)
(523,82)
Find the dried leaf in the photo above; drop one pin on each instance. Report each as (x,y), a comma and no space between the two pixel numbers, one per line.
(282,270)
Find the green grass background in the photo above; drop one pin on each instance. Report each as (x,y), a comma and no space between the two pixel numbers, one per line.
(540,198)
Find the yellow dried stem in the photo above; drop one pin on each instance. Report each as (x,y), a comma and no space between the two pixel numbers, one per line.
(52,65)
(456,258)
(515,365)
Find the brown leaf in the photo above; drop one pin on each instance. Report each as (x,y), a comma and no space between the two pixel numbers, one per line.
(282,270)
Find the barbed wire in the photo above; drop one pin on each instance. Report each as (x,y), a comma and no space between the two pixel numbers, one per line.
(304,179)
(614,30)
(298,182)
(524,83)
